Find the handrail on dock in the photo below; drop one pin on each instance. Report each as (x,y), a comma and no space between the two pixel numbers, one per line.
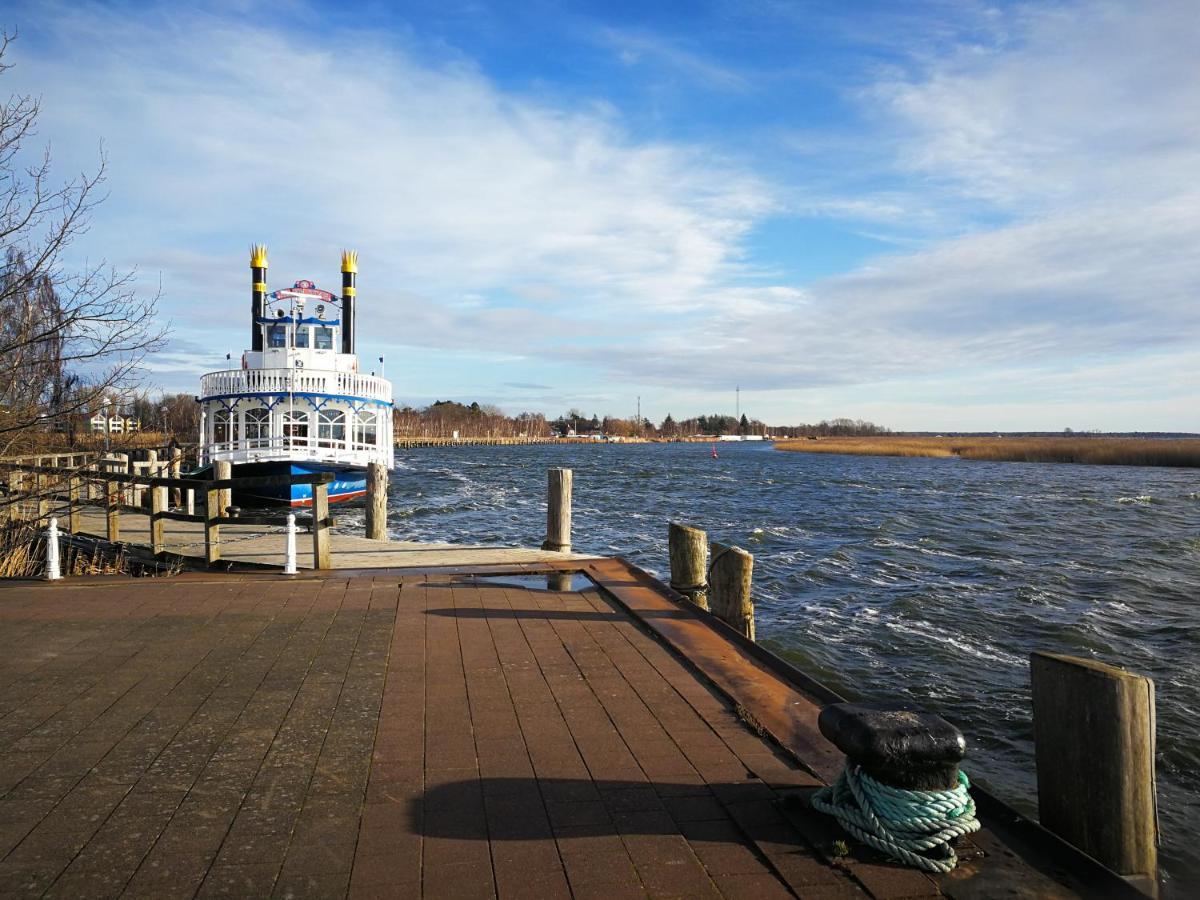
(120,491)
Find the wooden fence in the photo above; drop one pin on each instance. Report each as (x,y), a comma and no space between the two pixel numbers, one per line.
(39,492)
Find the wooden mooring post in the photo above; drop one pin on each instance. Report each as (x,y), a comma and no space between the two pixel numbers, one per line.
(223,471)
(729,577)
(377,488)
(688,548)
(158,506)
(320,526)
(558,511)
(1094,741)
(212,527)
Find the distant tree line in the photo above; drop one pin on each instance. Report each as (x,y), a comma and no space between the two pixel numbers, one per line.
(574,420)
(444,417)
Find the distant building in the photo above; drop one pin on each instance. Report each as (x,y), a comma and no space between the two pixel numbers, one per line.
(100,423)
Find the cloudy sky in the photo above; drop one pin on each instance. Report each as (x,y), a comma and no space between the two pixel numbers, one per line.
(948,215)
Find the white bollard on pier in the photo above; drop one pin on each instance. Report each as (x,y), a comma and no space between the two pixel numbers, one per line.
(53,572)
(289,554)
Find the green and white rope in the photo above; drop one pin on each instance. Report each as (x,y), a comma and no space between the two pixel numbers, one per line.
(906,825)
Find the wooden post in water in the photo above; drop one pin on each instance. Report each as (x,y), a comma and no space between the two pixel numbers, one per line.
(212,530)
(320,527)
(729,576)
(1094,741)
(158,506)
(222,471)
(377,485)
(558,511)
(688,548)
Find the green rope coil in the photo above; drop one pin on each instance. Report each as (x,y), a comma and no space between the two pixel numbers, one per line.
(906,825)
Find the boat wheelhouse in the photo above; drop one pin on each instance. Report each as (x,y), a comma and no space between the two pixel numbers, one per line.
(298,404)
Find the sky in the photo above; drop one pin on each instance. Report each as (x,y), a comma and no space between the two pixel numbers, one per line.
(935,216)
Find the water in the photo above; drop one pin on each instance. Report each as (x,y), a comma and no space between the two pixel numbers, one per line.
(927,580)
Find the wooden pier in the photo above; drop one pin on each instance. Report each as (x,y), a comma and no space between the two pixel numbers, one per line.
(437,733)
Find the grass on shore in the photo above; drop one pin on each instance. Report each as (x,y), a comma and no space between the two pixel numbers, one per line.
(1090,450)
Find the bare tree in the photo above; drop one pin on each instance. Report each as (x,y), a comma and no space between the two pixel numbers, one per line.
(67,337)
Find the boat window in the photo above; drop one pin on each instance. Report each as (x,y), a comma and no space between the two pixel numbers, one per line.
(222,426)
(331,427)
(366,428)
(295,425)
(324,337)
(302,338)
(258,424)
(276,336)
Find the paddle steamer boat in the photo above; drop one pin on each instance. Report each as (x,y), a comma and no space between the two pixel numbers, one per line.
(298,404)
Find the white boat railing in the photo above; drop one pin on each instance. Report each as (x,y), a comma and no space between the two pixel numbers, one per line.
(296,449)
(283,381)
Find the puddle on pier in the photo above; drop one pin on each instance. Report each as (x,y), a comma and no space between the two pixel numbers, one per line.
(543,581)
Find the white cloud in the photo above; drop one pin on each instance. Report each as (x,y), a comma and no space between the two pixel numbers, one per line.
(1065,137)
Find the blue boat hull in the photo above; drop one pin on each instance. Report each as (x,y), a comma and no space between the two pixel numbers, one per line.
(348,484)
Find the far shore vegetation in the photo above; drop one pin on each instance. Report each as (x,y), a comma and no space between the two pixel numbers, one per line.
(1091,449)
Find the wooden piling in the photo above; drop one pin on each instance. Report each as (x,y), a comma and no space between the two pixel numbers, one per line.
(41,489)
(377,487)
(1094,742)
(222,471)
(688,549)
(558,511)
(112,510)
(158,506)
(73,503)
(176,471)
(212,530)
(729,577)
(320,527)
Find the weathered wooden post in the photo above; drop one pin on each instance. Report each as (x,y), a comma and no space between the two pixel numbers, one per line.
(688,548)
(189,501)
(113,497)
(73,503)
(120,463)
(320,526)
(14,494)
(558,511)
(377,486)
(176,470)
(41,492)
(1094,737)
(212,528)
(223,471)
(158,506)
(729,598)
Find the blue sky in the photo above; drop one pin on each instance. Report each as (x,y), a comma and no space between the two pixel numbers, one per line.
(935,216)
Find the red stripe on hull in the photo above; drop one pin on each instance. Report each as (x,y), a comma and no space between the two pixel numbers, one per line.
(333,498)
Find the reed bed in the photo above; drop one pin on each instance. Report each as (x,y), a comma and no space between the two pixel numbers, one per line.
(23,555)
(1103,451)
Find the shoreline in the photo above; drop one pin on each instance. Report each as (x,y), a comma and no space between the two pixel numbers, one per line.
(1101,451)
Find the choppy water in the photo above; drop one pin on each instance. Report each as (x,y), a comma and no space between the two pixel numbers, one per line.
(929,580)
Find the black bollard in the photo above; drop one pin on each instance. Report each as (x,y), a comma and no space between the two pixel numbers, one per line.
(896,745)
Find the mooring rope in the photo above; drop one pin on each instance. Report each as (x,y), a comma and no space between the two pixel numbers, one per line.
(904,824)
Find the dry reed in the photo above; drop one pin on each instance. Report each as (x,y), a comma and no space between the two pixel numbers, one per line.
(1087,450)
(23,555)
